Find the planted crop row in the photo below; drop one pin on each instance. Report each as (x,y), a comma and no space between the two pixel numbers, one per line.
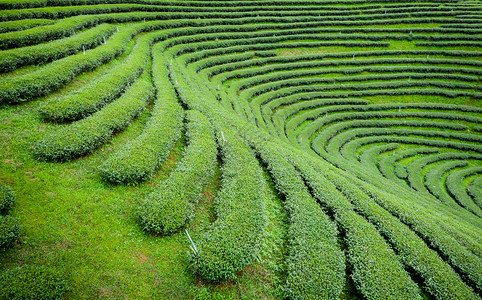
(351,4)
(278,111)
(384,135)
(315,263)
(67,27)
(414,170)
(256,102)
(457,191)
(171,205)
(365,63)
(32,36)
(348,150)
(475,191)
(43,53)
(100,7)
(383,184)
(276,81)
(349,121)
(234,239)
(286,92)
(226,47)
(220,12)
(93,96)
(365,113)
(329,84)
(449,44)
(82,137)
(23,24)
(376,270)
(469,142)
(58,73)
(316,58)
(140,157)
(369,157)
(315,110)
(69,11)
(346,112)
(438,277)
(434,180)
(433,231)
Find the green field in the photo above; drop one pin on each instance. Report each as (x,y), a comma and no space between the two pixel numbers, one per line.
(327,149)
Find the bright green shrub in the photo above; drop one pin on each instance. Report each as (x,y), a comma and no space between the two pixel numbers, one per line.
(426,223)
(95,95)
(456,190)
(434,182)
(7,199)
(171,205)
(439,279)
(475,190)
(449,44)
(234,239)
(84,136)
(414,170)
(32,282)
(315,263)
(377,271)
(58,73)
(43,53)
(140,157)
(60,29)
(23,24)
(369,157)
(9,231)
(311,60)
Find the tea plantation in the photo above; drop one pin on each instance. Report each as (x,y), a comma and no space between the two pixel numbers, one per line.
(326,149)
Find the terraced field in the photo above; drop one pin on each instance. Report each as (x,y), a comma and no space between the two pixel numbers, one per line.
(312,149)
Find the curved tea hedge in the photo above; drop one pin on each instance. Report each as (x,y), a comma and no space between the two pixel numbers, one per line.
(365,115)
(171,205)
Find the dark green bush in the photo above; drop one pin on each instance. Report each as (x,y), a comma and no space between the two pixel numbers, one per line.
(9,231)
(32,282)
(7,199)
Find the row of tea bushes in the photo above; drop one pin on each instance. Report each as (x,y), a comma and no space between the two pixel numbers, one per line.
(84,136)
(171,205)
(43,53)
(139,158)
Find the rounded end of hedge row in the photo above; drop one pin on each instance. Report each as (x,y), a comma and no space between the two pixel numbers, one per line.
(227,248)
(218,263)
(7,198)
(134,163)
(32,282)
(9,231)
(156,214)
